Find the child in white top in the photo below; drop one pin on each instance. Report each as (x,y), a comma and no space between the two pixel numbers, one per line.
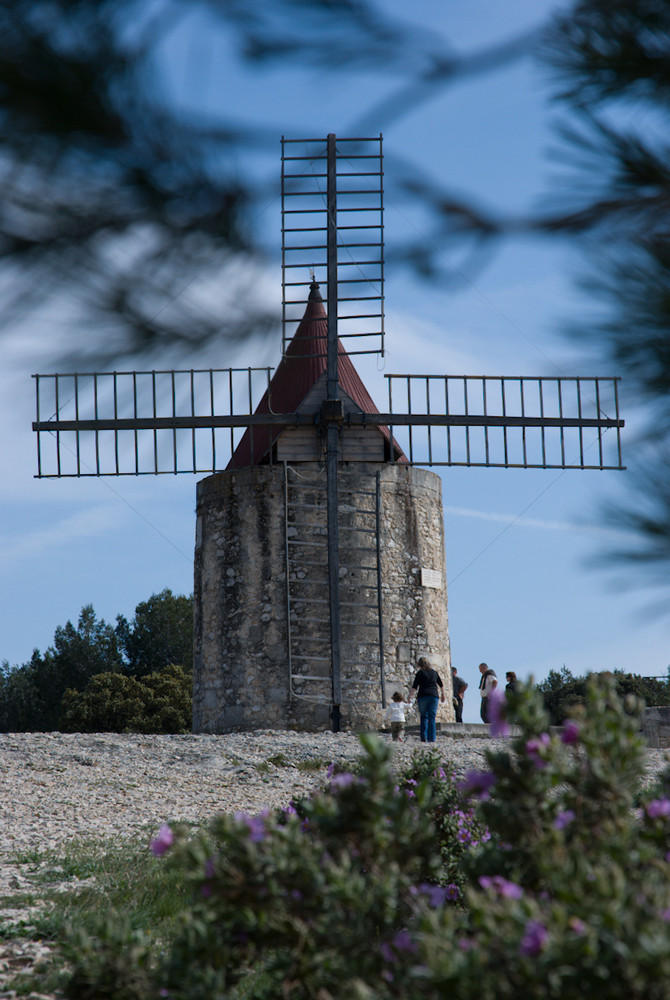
(396,715)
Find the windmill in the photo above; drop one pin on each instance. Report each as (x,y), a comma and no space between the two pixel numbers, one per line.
(319,563)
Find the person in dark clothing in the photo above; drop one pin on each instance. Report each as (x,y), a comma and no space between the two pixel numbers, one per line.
(510,677)
(459,688)
(426,684)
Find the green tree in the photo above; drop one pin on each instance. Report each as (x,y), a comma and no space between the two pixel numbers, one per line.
(23,707)
(610,58)
(160,633)
(562,693)
(32,693)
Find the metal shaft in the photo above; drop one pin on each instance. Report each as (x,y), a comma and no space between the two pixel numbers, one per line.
(332,434)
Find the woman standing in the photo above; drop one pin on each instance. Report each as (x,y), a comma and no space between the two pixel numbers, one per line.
(426,684)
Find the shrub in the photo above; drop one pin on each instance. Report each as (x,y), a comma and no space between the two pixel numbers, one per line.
(346,894)
(114,703)
(561,692)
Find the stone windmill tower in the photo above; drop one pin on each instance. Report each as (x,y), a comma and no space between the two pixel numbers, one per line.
(319,560)
(263,630)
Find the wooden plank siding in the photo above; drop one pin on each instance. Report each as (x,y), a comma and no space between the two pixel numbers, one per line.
(306,444)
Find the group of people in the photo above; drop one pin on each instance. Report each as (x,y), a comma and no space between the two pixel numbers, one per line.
(428,689)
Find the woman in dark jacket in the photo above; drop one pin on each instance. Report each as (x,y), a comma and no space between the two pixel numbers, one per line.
(426,684)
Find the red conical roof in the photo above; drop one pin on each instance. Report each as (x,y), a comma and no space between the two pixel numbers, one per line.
(303,364)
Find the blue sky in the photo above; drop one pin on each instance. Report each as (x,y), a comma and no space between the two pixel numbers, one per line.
(522,593)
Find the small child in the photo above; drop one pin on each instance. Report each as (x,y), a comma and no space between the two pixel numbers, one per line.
(396,714)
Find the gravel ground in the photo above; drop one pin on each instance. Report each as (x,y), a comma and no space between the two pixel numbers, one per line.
(56,786)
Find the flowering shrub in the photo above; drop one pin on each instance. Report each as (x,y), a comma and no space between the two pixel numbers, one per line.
(551,880)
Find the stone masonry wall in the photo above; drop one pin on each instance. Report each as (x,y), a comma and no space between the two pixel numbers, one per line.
(414,579)
(241,672)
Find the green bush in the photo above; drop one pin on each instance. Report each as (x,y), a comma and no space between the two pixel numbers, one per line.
(114,703)
(561,692)
(356,892)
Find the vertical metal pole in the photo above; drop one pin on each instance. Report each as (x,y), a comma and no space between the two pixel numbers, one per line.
(504,413)
(600,432)
(58,468)
(523,429)
(116,414)
(581,428)
(381,240)
(137,456)
(287,565)
(616,406)
(211,405)
(378,526)
(76,417)
(97,433)
(332,433)
(39,433)
(193,446)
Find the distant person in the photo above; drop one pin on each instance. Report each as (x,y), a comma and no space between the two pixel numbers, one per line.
(510,677)
(426,684)
(395,713)
(488,682)
(458,687)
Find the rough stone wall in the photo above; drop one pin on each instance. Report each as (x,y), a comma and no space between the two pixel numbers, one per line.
(240,624)
(414,579)
(241,669)
(656,726)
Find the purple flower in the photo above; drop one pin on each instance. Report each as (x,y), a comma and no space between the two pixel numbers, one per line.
(452,892)
(254,824)
(665,916)
(440,773)
(564,819)
(570,732)
(498,722)
(435,894)
(534,939)
(401,942)
(206,889)
(331,770)
(510,890)
(534,748)
(342,780)
(577,925)
(657,808)
(477,783)
(163,841)
(465,944)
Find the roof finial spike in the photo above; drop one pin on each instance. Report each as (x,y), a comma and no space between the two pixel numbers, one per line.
(314,292)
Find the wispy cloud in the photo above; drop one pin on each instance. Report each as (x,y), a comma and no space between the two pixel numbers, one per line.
(91,523)
(534,522)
